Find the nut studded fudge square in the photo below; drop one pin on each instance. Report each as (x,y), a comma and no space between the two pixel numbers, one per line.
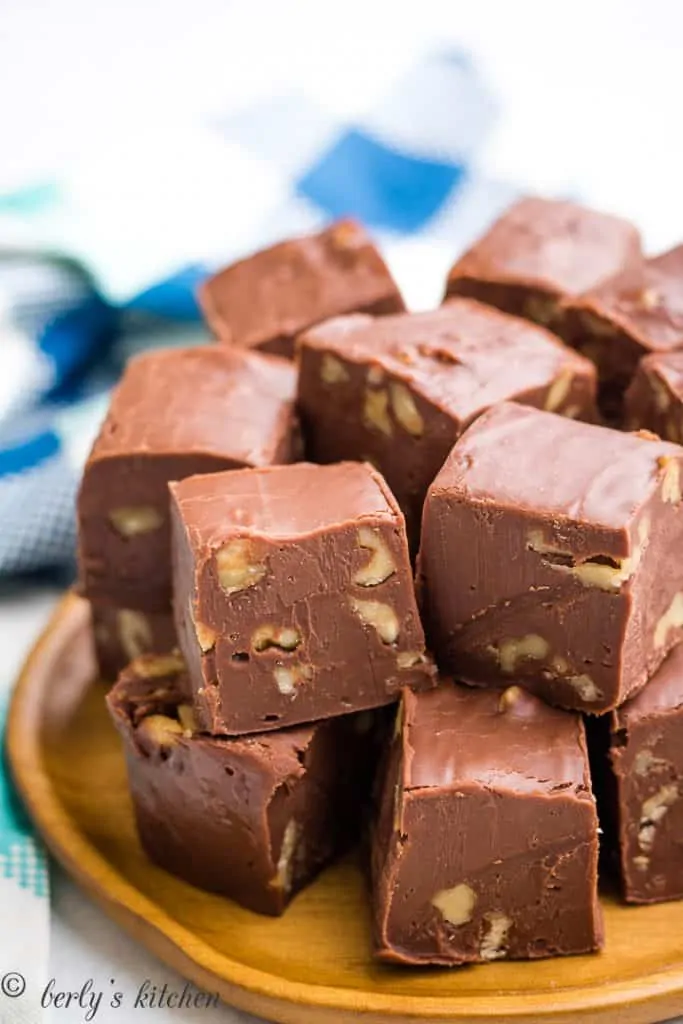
(175,412)
(637,762)
(486,845)
(400,390)
(542,252)
(293,595)
(654,400)
(123,634)
(635,314)
(547,557)
(254,819)
(264,301)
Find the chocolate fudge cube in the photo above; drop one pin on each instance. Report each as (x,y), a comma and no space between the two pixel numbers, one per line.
(634,314)
(486,845)
(264,301)
(400,390)
(175,412)
(123,634)
(637,760)
(294,597)
(542,252)
(654,399)
(254,819)
(546,557)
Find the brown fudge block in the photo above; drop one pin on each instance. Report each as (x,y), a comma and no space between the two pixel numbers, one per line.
(628,317)
(254,819)
(546,557)
(400,390)
(264,301)
(487,840)
(542,252)
(175,412)
(123,634)
(293,595)
(637,760)
(654,399)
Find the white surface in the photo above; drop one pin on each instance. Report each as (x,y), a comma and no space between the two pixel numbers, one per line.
(86,945)
(591,93)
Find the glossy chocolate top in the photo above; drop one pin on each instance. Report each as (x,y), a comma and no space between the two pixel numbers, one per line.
(591,474)
(663,693)
(281,502)
(499,739)
(646,301)
(155,685)
(282,290)
(203,400)
(462,357)
(553,245)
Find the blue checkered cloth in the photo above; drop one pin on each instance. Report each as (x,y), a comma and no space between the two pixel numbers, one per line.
(406,169)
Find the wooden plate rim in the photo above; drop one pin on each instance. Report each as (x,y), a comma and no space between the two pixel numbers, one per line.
(122,901)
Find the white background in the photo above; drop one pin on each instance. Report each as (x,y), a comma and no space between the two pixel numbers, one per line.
(591,95)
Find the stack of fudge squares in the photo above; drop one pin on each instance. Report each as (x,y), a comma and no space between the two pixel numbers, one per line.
(359,571)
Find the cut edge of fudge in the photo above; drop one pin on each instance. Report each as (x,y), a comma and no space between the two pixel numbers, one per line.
(654,398)
(283,576)
(535,290)
(121,635)
(451,914)
(627,317)
(585,537)
(147,383)
(239,484)
(400,390)
(289,802)
(175,412)
(303,256)
(637,764)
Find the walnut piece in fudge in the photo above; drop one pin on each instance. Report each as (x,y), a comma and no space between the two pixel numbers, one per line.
(546,557)
(253,819)
(654,400)
(511,774)
(542,252)
(637,761)
(400,390)
(123,634)
(175,412)
(293,595)
(631,316)
(264,301)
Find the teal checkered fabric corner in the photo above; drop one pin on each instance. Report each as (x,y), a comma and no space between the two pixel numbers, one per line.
(22,857)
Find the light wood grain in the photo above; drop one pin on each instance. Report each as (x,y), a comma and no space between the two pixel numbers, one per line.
(313,965)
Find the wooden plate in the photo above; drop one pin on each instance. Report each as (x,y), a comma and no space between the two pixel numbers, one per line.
(313,964)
